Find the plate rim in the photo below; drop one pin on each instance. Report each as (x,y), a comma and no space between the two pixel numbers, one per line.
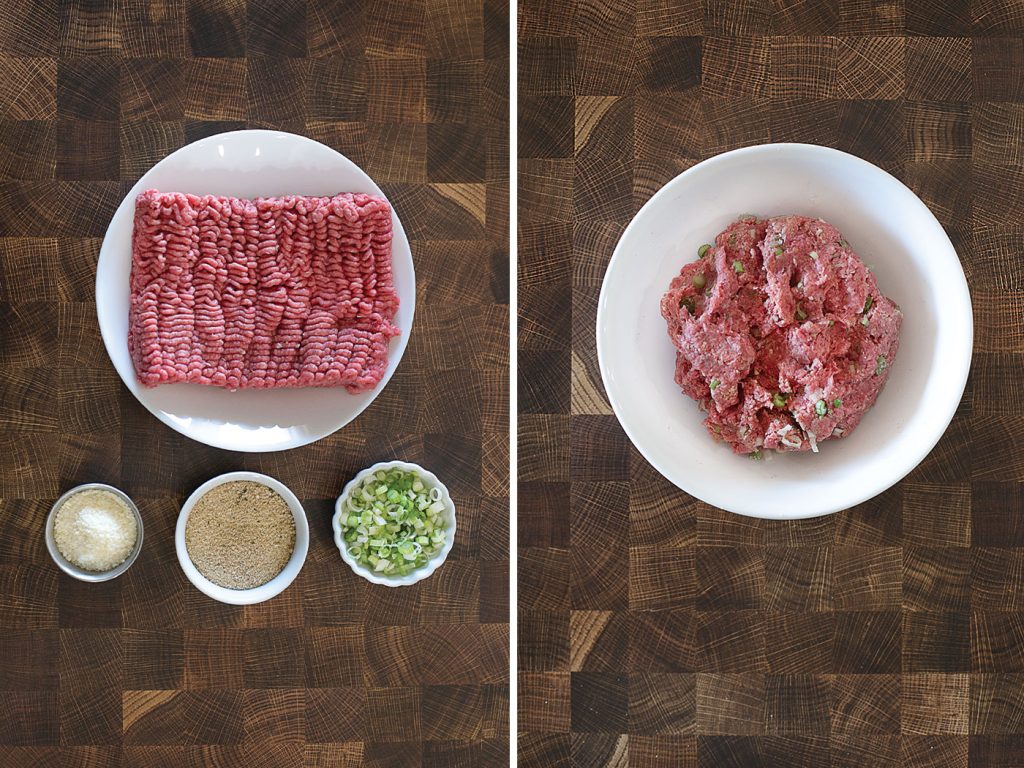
(133,386)
(848,500)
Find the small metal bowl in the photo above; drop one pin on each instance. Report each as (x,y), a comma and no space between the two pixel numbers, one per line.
(80,573)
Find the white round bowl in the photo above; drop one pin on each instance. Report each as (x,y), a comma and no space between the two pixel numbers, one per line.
(263,592)
(430,479)
(247,164)
(81,573)
(891,230)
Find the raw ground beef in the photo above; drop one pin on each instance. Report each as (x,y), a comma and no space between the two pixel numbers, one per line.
(272,292)
(781,334)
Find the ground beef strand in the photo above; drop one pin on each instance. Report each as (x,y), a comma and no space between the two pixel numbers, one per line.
(273,292)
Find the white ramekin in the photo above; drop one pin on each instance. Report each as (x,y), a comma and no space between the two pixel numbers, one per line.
(430,479)
(277,584)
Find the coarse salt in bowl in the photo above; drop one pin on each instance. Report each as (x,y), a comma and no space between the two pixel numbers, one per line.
(891,230)
(265,591)
(75,571)
(448,514)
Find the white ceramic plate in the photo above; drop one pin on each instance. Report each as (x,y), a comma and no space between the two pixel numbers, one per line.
(892,231)
(244,164)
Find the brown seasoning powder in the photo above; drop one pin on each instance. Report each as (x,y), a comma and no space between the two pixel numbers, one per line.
(240,534)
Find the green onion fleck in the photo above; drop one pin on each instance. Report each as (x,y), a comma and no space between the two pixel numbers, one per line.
(737,267)
(714,384)
(800,314)
(880,365)
(837,403)
(864,321)
(842,242)
(702,251)
(868,302)
(699,281)
(820,408)
(778,250)
(687,301)
(814,255)
(779,399)
(756,455)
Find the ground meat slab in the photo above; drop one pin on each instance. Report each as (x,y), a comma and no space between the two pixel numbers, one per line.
(272,292)
(781,334)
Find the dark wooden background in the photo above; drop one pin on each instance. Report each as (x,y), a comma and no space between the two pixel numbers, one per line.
(145,670)
(655,630)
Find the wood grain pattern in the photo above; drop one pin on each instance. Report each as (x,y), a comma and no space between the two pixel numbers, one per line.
(144,670)
(655,630)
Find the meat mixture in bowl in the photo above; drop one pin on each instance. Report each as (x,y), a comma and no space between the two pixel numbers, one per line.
(781,334)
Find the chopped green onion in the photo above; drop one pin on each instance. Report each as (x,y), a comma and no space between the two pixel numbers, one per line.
(821,408)
(699,281)
(737,267)
(842,242)
(778,250)
(400,528)
(702,251)
(868,303)
(880,365)
(779,399)
(756,455)
(714,384)
(864,321)
(687,301)
(814,255)
(800,314)
(837,403)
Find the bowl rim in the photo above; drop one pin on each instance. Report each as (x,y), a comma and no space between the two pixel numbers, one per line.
(262,592)
(427,568)
(963,354)
(81,573)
